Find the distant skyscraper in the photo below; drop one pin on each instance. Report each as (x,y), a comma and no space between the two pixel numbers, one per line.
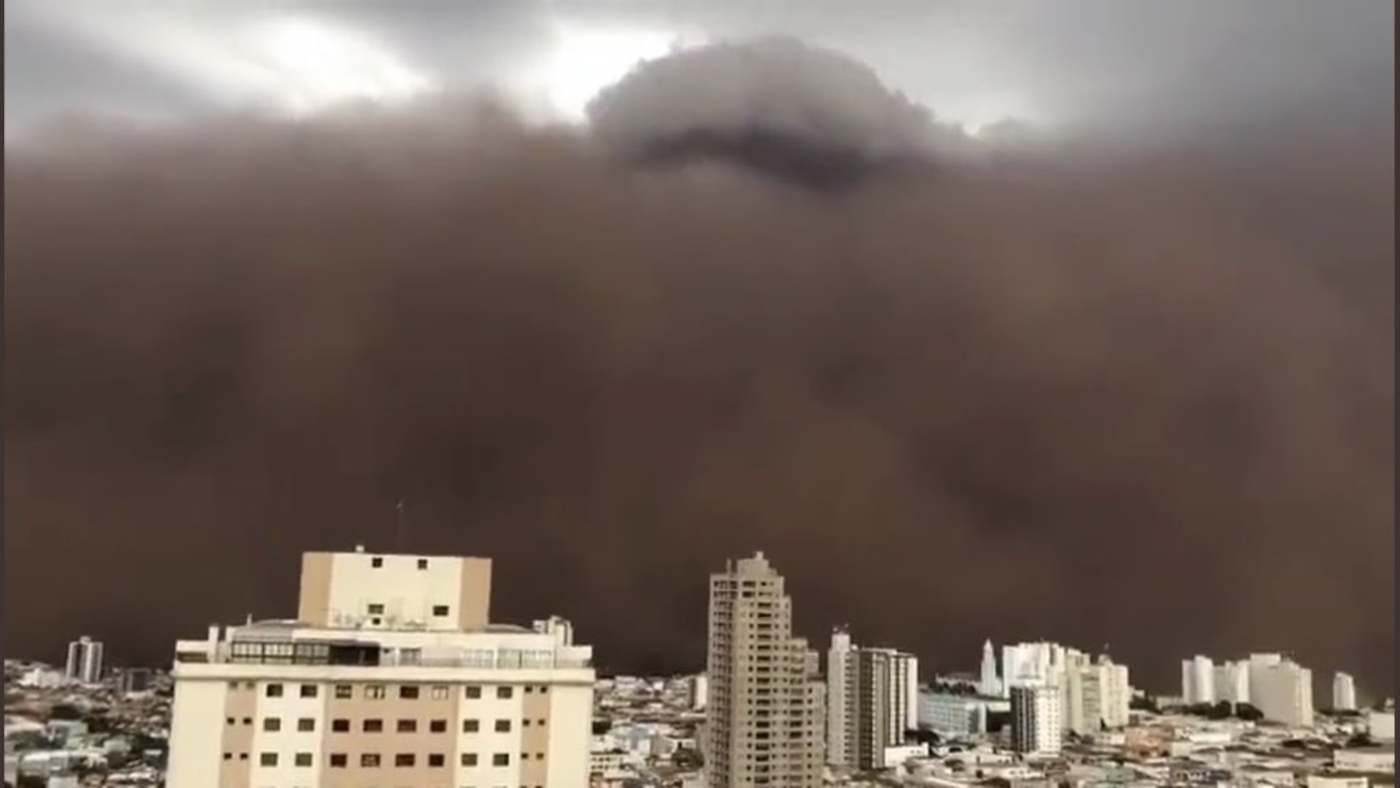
(767,701)
(872,699)
(990,685)
(1035,719)
(84,661)
(1197,680)
(1343,692)
(699,691)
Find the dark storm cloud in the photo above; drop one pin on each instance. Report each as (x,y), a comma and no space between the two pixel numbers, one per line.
(1140,64)
(800,113)
(1137,398)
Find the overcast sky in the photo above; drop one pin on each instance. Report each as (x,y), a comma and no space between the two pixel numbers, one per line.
(1123,61)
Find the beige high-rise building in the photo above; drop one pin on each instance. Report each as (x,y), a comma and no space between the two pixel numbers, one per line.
(766,715)
(392,675)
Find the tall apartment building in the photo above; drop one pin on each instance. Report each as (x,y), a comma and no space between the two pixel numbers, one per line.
(765,717)
(1232,682)
(1197,680)
(392,674)
(1281,689)
(1035,719)
(872,700)
(1095,696)
(84,662)
(1343,692)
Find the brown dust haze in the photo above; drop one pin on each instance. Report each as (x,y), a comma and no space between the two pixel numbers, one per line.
(1139,397)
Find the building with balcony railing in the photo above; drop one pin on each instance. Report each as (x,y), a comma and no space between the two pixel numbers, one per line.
(384,678)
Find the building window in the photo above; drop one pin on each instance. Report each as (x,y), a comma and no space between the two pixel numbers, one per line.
(437,760)
(473,692)
(375,609)
(242,756)
(422,563)
(303,759)
(404,759)
(309,690)
(500,759)
(374,692)
(504,693)
(372,726)
(440,611)
(539,722)
(407,726)
(468,759)
(471,726)
(248,685)
(376,562)
(503,726)
(440,693)
(274,691)
(408,692)
(230,720)
(529,689)
(306,725)
(437,726)
(338,760)
(344,692)
(539,756)
(228,756)
(370,760)
(543,689)
(272,724)
(340,725)
(267,759)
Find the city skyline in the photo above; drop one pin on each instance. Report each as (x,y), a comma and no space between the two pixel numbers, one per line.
(1128,358)
(973,671)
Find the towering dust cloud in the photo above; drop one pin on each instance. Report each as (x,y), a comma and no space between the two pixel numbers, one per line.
(1141,397)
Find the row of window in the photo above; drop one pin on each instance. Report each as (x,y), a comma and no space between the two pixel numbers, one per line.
(380,691)
(377,609)
(373,760)
(372,725)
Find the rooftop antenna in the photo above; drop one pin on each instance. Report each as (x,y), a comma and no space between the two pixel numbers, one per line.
(398,526)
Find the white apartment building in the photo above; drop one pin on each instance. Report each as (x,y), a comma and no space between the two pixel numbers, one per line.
(1343,692)
(1198,680)
(1231,682)
(1281,689)
(1095,697)
(1033,664)
(698,691)
(951,714)
(872,700)
(766,712)
(84,663)
(390,675)
(1035,719)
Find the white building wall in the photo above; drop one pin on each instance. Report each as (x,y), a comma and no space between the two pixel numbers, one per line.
(571,715)
(288,741)
(487,741)
(407,593)
(1381,725)
(838,656)
(196,744)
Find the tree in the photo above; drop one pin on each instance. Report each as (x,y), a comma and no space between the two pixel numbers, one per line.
(1144,703)
(1248,712)
(65,711)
